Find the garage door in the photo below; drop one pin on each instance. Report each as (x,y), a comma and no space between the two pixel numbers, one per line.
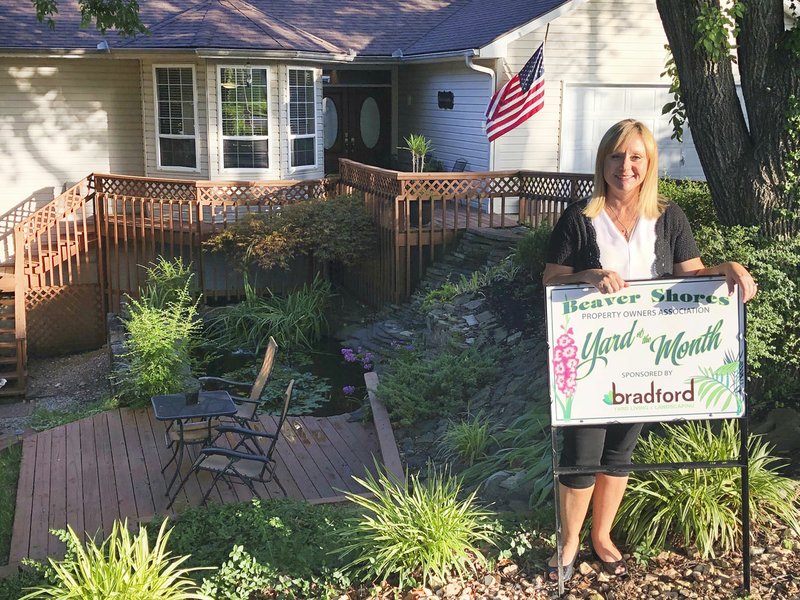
(590,110)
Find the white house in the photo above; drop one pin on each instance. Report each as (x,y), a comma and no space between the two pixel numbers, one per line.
(279,89)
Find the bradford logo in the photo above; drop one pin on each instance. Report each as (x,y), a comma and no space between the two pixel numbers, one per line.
(654,396)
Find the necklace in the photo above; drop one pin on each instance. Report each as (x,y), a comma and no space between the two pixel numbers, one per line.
(626,231)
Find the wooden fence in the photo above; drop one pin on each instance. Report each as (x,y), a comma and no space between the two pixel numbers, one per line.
(81,254)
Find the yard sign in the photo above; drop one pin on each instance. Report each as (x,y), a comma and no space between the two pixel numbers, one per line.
(661,350)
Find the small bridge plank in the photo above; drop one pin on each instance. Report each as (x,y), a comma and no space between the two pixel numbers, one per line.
(109,501)
(58,489)
(90,481)
(120,453)
(21,532)
(40,519)
(74,459)
(152,463)
(142,493)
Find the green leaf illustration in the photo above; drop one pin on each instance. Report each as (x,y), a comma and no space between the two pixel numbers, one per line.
(723,384)
(608,398)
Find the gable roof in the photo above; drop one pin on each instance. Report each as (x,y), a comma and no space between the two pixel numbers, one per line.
(368,28)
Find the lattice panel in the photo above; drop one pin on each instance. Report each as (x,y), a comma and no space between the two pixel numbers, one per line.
(370,179)
(552,186)
(64,319)
(465,186)
(146,188)
(262,194)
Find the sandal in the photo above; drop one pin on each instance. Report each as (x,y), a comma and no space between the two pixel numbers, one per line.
(612,567)
(569,570)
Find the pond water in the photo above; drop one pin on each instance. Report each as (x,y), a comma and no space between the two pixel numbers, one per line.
(320,374)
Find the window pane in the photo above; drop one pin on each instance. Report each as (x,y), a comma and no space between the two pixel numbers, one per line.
(301,102)
(245,154)
(243,99)
(303,152)
(177,153)
(175,102)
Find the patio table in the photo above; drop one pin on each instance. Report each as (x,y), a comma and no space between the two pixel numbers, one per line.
(178,409)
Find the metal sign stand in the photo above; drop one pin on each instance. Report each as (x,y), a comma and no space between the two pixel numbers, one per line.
(741,463)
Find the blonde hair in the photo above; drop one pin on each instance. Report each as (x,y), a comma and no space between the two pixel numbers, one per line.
(650,205)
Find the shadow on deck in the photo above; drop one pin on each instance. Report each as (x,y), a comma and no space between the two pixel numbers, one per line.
(90,472)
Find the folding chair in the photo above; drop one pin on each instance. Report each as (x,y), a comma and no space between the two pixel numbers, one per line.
(248,460)
(249,405)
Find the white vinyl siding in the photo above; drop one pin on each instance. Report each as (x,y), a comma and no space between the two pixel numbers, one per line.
(603,62)
(176,117)
(60,121)
(303,123)
(455,133)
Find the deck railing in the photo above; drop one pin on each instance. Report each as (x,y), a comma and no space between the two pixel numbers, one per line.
(420,214)
(78,256)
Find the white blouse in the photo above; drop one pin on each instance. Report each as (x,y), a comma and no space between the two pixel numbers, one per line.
(632,259)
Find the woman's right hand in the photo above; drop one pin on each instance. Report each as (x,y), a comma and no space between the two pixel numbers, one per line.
(606,282)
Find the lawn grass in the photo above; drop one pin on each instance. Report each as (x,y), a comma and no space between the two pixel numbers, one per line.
(45,418)
(9,474)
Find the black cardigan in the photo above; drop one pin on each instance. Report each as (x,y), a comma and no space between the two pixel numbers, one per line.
(574,241)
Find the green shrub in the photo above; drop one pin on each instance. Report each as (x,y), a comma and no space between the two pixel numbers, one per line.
(530,253)
(524,446)
(339,229)
(419,387)
(693,197)
(166,282)
(416,529)
(285,545)
(703,507)
(123,566)
(467,440)
(9,475)
(15,586)
(158,349)
(296,321)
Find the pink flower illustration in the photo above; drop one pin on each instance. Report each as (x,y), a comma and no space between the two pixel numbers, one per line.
(564,367)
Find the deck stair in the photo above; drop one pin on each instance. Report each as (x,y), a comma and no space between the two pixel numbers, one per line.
(12,367)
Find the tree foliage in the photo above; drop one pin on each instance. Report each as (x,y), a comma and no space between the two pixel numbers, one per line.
(746,156)
(122,15)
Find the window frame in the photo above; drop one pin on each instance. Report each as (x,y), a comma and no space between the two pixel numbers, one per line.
(158,134)
(290,136)
(221,143)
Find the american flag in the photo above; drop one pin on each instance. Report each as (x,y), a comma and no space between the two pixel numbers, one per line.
(519,99)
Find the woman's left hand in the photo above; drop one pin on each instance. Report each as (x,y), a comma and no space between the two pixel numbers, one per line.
(736,274)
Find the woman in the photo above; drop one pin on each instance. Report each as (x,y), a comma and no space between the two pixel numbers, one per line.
(623,232)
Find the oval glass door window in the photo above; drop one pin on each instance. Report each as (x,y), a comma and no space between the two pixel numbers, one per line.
(370,122)
(330,122)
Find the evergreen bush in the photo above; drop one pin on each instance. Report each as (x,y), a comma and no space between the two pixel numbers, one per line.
(420,387)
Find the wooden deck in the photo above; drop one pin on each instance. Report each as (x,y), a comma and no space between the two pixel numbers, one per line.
(90,472)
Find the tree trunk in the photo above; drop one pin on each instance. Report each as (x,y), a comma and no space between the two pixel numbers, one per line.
(744,160)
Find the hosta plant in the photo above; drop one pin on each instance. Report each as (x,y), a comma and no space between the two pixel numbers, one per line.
(123,566)
(703,506)
(414,530)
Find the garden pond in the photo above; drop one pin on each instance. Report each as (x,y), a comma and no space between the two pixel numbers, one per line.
(329,379)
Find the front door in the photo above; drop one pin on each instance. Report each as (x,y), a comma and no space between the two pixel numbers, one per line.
(357,126)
